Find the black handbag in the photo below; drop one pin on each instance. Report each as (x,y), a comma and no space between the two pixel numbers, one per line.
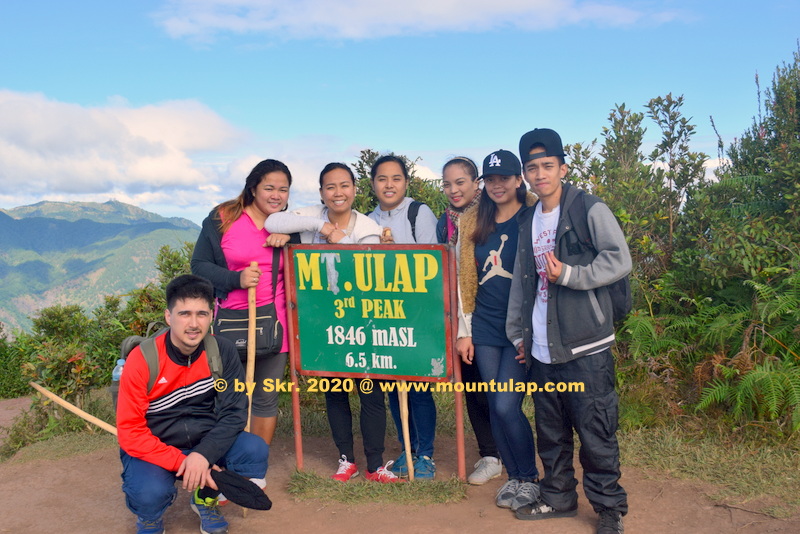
(232,324)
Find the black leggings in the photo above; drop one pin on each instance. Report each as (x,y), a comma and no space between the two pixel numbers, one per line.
(373,423)
(478,411)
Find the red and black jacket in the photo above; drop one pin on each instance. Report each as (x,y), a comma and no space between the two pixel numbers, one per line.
(184,410)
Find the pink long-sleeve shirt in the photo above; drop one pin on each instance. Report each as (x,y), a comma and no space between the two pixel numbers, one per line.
(241,244)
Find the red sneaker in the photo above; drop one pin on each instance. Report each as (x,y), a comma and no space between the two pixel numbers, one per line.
(346,471)
(383,475)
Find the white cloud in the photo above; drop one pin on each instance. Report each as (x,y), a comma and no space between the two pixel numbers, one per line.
(150,156)
(712,165)
(50,147)
(363,19)
(176,158)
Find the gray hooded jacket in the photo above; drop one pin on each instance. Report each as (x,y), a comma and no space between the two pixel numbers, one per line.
(579,316)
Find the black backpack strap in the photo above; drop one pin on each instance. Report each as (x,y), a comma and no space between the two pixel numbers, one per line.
(276,266)
(580,222)
(413,210)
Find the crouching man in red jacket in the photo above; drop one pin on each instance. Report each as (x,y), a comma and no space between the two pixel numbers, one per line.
(189,422)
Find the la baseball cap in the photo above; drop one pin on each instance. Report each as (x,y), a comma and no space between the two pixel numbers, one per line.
(503,163)
(540,136)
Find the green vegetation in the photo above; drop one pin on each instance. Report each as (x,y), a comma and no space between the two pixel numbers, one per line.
(716,263)
(12,383)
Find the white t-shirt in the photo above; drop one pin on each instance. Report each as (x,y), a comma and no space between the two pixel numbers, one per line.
(543,235)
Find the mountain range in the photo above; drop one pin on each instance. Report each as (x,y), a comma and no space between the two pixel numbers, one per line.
(77,253)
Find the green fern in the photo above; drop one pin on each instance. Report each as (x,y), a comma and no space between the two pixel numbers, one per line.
(770,392)
(718,392)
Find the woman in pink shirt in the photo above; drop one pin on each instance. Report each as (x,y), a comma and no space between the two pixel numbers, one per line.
(233,236)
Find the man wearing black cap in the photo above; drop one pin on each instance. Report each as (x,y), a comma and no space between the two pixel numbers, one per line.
(560,319)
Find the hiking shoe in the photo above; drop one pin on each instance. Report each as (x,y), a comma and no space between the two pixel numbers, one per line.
(346,471)
(610,523)
(527,494)
(383,475)
(540,510)
(400,466)
(424,467)
(507,492)
(486,469)
(149,527)
(211,520)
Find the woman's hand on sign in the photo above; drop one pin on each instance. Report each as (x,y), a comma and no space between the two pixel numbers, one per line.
(336,236)
(327,229)
(465,349)
(276,240)
(249,277)
(386,236)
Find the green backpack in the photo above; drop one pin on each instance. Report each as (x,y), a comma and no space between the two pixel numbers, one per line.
(147,344)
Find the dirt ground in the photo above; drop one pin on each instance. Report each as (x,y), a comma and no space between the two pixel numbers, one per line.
(82,495)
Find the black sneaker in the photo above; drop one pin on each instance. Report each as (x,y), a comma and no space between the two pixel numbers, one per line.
(610,523)
(540,510)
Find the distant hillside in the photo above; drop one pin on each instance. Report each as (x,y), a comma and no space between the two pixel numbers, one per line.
(107,212)
(78,252)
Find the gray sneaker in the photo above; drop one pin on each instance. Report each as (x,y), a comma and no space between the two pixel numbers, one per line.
(528,493)
(486,469)
(507,492)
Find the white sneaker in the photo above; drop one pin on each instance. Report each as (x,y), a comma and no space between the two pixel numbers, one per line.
(486,469)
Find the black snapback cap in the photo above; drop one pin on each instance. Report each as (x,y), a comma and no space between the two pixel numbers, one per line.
(541,136)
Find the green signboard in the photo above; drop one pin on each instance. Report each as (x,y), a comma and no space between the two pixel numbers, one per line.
(378,311)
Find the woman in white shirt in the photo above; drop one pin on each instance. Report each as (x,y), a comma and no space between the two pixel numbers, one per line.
(335,221)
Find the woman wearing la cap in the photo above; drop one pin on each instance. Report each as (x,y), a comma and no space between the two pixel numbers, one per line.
(335,221)
(232,236)
(461,186)
(487,248)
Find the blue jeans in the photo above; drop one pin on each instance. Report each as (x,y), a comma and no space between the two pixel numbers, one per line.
(421,421)
(511,429)
(150,489)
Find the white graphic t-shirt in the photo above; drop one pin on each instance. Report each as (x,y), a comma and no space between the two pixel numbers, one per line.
(544,227)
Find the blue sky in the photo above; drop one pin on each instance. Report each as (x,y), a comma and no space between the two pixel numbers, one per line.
(168,104)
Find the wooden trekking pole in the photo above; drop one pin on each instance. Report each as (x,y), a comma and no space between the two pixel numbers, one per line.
(250,368)
(72,408)
(402,398)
